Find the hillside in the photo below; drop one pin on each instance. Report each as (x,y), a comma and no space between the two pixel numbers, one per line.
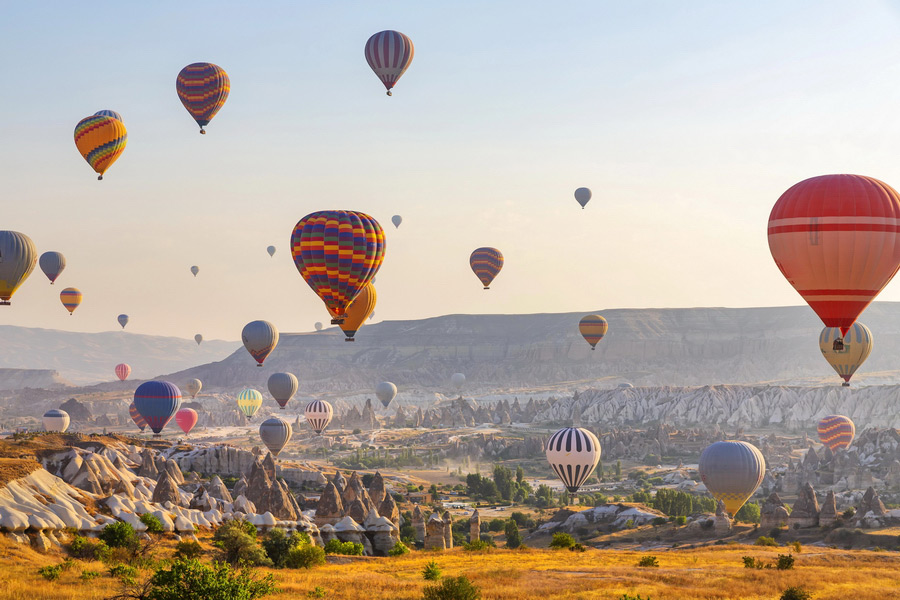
(17,379)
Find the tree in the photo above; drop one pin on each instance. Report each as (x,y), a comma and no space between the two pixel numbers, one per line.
(503,479)
(513,538)
(748,513)
(544,496)
(618,470)
(192,580)
(520,475)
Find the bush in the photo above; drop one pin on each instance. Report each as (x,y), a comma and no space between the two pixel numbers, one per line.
(795,593)
(748,513)
(305,556)
(648,561)
(399,549)
(513,537)
(797,546)
(238,545)
(316,592)
(523,520)
(752,563)
(476,546)
(127,574)
(638,597)
(496,525)
(680,520)
(336,546)
(848,514)
(187,549)
(453,588)
(193,580)
(562,541)
(431,572)
(765,541)
(785,562)
(278,543)
(578,548)
(88,549)
(89,575)
(658,521)
(50,572)
(119,535)
(154,525)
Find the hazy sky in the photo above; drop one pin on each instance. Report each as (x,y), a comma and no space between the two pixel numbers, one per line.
(686,119)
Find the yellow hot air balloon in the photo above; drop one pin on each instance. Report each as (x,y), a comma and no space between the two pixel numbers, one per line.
(249,401)
(101,141)
(856,349)
(18,256)
(593,328)
(732,471)
(71,299)
(358,311)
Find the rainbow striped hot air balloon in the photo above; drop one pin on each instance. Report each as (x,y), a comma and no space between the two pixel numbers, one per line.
(836,431)
(486,263)
(203,89)
(389,53)
(249,401)
(593,328)
(157,401)
(71,299)
(101,141)
(137,418)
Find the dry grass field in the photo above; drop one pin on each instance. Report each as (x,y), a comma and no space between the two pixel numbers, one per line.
(700,574)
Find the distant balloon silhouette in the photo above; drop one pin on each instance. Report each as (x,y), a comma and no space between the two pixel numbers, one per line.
(123,320)
(195,269)
(18,256)
(283,386)
(193,387)
(385,392)
(186,418)
(271,250)
(396,220)
(319,326)
(52,264)
(198,338)
(486,264)
(593,328)
(583,196)
(458,380)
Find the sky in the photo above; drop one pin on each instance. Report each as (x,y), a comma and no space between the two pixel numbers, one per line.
(686,119)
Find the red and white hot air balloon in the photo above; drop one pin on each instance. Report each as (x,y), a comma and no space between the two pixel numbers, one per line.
(186,419)
(836,238)
(389,53)
(123,371)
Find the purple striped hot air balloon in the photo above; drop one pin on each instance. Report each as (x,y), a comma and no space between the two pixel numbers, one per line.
(157,401)
(389,53)
(486,264)
(836,432)
(203,89)
(137,418)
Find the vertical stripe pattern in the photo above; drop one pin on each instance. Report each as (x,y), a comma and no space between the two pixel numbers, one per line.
(389,53)
(858,344)
(486,263)
(573,453)
(275,433)
(249,401)
(732,471)
(18,256)
(318,414)
(123,370)
(157,402)
(836,431)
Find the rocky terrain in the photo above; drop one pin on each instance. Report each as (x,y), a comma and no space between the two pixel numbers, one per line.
(17,379)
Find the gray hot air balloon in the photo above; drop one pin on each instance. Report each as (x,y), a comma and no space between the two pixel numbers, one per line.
(52,264)
(396,220)
(319,326)
(385,391)
(283,386)
(458,380)
(318,414)
(275,433)
(193,387)
(271,250)
(260,338)
(17,259)
(123,320)
(732,471)
(573,453)
(583,196)
(195,269)
(56,420)
(198,338)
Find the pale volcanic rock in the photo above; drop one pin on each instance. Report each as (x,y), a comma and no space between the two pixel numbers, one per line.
(148,465)
(357,511)
(175,471)
(828,513)
(805,512)
(448,529)
(239,487)
(217,489)
(474,526)
(418,523)
(330,508)
(389,510)
(166,490)
(773,513)
(385,535)
(242,504)
(348,530)
(722,525)
(434,533)
(377,490)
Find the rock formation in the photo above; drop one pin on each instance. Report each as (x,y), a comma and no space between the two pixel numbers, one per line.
(166,490)
(773,513)
(474,526)
(434,533)
(329,509)
(828,513)
(376,489)
(805,512)
(418,523)
(448,529)
(722,524)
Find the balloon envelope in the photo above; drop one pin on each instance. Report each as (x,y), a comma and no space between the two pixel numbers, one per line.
(282,386)
(593,328)
(203,89)
(486,263)
(123,320)
(123,370)
(458,380)
(573,453)
(319,326)
(836,432)
(857,345)
(136,417)
(193,387)
(157,402)
(836,238)
(198,338)
(71,298)
(186,419)
(385,392)
(101,141)
(260,338)
(249,401)
(18,257)
(195,269)
(56,420)
(109,113)
(271,250)
(275,433)
(583,196)
(52,264)
(732,471)
(396,220)
(318,414)
(389,53)
(359,310)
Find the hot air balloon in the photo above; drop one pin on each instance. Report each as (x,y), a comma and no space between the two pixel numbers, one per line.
(157,402)
(71,299)
(198,338)
(203,89)
(123,370)
(458,380)
(486,263)
(319,326)
(731,472)
(856,346)
(385,391)
(101,141)
(271,250)
(186,419)
(836,240)
(593,328)
(193,387)
(123,320)
(359,310)
(836,432)
(52,264)
(137,418)
(249,401)
(17,259)
(337,253)
(573,453)
(56,420)
(396,220)
(283,386)
(195,269)
(389,53)
(583,196)
(318,414)
(275,433)
(109,113)
(260,338)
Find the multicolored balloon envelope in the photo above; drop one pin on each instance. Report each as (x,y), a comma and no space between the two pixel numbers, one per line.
(593,328)
(583,196)
(186,419)
(123,370)
(573,453)
(52,264)
(18,256)
(249,401)
(732,471)
(836,432)
(137,418)
(203,89)
(71,299)
(836,238)
(855,348)
(101,141)
(389,54)
(123,320)
(337,252)
(275,433)
(193,387)
(283,386)
(56,420)
(486,263)
(109,113)
(318,414)
(157,402)
(385,392)
(260,338)
(358,312)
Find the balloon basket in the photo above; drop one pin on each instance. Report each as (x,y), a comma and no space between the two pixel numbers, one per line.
(845,384)
(349,340)
(5,303)
(337,321)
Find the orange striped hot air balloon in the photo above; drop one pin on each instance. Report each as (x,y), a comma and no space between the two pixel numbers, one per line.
(203,89)
(836,431)
(358,311)
(486,264)
(71,298)
(101,141)
(593,328)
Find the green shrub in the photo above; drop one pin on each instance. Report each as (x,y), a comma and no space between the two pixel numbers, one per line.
(238,545)
(648,561)
(578,548)
(795,593)
(476,546)
(193,580)
(765,541)
(399,549)
(154,525)
(562,541)
(335,546)
(752,563)
(658,521)
(513,537)
(305,556)
(278,543)
(680,520)
(796,546)
(50,572)
(629,524)
(638,597)
(187,549)
(748,513)
(88,549)
(316,592)
(89,575)
(126,573)
(452,588)
(496,525)
(431,572)
(119,535)
(785,562)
